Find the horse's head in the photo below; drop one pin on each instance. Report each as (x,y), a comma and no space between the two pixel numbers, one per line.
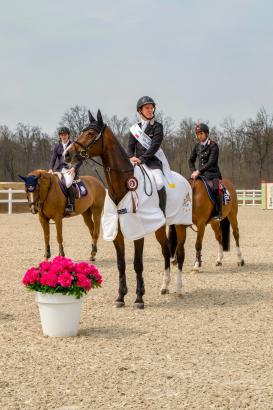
(32,188)
(89,143)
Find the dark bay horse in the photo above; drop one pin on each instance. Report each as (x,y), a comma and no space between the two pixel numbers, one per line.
(202,215)
(46,198)
(98,140)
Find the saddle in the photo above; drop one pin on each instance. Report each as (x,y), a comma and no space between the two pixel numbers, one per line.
(225,194)
(79,188)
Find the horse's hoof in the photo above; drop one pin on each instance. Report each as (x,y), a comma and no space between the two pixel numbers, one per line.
(119,304)
(138,305)
(218,263)
(92,258)
(241,263)
(195,270)
(164,291)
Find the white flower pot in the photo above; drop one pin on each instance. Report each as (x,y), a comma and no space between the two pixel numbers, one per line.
(60,314)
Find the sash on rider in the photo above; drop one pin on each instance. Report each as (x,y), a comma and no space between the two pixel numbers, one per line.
(145,141)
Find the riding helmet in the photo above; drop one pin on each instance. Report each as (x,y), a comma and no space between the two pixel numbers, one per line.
(64,130)
(201,128)
(143,101)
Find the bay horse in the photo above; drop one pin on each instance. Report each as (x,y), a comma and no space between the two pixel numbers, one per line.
(46,198)
(98,140)
(202,212)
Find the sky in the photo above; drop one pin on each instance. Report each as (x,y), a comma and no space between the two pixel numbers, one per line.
(204,59)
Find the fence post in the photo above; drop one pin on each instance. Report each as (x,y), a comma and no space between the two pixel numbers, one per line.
(10,201)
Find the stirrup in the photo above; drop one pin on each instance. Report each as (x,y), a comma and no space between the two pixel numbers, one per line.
(70,209)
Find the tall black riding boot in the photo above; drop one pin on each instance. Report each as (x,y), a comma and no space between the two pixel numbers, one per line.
(219,203)
(70,207)
(162,200)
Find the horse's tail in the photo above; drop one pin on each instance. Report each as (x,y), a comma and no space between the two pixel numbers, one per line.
(225,227)
(172,237)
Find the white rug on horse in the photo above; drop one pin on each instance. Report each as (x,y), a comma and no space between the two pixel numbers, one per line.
(148,217)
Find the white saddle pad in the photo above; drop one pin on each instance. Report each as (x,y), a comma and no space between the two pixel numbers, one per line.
(148,217)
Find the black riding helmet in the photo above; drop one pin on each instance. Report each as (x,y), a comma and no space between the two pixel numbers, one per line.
(201,128)
(64,130)
(143,101)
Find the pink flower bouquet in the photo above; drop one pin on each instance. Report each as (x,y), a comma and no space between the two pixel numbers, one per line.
(62,275)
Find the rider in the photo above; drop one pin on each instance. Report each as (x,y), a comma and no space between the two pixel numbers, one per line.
(57,164)
(207,152)
(140,155)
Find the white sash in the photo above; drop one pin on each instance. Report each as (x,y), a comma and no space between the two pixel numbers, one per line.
(146,141)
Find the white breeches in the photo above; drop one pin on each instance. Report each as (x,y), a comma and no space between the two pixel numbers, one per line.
(158,176)
(68,178)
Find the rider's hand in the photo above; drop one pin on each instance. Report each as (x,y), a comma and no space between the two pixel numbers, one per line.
(71,171)
(50,171)
(135,160)
(195,174)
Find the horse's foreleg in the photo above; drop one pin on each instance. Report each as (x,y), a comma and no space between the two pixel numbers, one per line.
(120,251)
(138,266)
(198,248)
(165,248)
(180,255)
(59,229)
(45,225)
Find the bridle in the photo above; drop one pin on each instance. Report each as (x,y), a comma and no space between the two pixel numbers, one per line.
(32,188)
(83,154)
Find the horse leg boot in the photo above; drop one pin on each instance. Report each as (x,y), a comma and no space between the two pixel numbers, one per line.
(162,199)
(70,207)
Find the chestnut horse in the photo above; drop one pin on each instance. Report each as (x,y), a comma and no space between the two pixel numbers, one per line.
(46,198)
(98,140)
(202,215)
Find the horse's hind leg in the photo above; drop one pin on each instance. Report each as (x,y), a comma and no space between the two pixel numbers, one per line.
(96,212)
(138,266)
(198,247)
(180,255)
(45,225)
(87,217)
(59,228)
(218,235)
(235,229)
(120,250)
(164,243)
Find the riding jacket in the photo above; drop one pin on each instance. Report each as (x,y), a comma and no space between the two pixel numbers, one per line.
(57,161)
(147,156)
(208,159)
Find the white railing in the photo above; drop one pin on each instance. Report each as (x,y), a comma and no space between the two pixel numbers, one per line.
(246,197)
(249,197)
(10,199)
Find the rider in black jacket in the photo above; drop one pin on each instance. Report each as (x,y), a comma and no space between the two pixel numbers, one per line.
(207,152)
(140,155)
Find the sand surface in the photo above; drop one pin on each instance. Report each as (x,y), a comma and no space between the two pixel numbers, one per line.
(210,349)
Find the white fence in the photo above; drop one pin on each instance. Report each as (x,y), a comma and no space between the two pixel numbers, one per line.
(249,197)
(10,199)
(246,197)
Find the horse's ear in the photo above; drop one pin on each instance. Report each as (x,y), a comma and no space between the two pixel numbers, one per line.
(99,118)
(23,178)
(91,118)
